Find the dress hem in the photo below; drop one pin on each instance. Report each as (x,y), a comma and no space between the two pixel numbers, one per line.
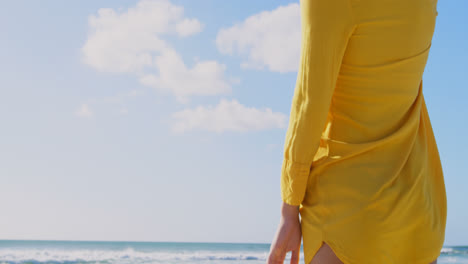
(346,260)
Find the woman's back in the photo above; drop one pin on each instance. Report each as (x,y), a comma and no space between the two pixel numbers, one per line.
(382,67)
(360,154)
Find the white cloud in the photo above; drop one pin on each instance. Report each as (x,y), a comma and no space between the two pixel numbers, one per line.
(268,39)
(227,116)
(130,41)
(84,111)
(125,41)
(205,78)
(188,27)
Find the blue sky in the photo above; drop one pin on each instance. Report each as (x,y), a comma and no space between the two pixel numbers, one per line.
(95,145)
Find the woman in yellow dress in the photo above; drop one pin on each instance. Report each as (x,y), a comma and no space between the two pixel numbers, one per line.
(361,178)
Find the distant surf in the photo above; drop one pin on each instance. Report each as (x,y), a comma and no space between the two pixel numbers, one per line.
(121,252)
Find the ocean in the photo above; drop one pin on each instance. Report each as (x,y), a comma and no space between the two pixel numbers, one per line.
(74,252)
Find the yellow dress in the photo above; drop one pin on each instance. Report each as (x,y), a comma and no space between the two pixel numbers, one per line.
(360,157)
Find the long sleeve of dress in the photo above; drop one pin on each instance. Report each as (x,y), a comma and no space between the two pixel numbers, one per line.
(326,26)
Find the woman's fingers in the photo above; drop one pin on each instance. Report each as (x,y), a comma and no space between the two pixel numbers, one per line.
(296,243)
(287,239)
(281,245)
(276,259)
(277,253)
(295,255)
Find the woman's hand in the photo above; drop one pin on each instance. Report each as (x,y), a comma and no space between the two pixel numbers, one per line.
(288,236)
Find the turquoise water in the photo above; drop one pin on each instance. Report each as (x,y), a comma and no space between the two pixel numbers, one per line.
(73,252)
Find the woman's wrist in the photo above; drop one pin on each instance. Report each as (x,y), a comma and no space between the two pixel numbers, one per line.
(289,211)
